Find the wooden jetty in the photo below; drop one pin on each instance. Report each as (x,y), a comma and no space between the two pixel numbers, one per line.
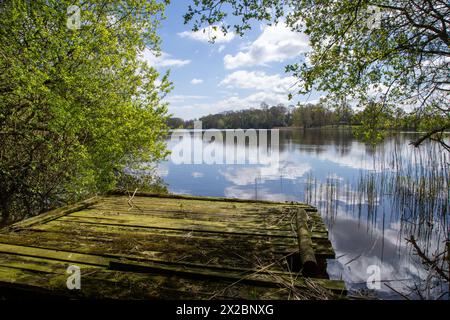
(170,247)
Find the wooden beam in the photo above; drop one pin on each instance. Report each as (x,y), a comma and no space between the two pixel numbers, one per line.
(52,215)
(306,251)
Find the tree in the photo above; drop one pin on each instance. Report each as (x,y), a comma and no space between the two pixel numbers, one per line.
(398,48)
(77,106)
(344,113)
(264,118)
(375,120)
(311,115)
(175,123)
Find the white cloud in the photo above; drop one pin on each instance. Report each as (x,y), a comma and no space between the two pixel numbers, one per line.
(232,103)
(271,89)
(181,98)
(247,176)
(196,81)
(276,43)
(208,34)
(163,60)
(221,48)
(259,80)
(397,266)
(197,174)
(253,100)
(317,100)
(237,192)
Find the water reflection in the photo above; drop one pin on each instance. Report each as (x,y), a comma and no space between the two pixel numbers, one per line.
(371,199)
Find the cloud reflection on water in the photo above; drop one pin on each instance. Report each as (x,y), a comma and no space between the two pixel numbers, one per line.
(328,170)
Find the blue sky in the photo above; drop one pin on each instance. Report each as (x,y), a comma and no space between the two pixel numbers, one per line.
(231,74)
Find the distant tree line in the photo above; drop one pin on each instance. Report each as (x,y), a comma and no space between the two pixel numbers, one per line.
(262,118)
(373,117)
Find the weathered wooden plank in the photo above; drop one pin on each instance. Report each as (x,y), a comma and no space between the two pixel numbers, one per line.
(169,252)
(234,209)
(255,278)
(116,285)
(238,223)
(175,225)
(286,228)
(51,215)
(207,213)
(307,255)
(99,231)
(237,209)
(54,254)
(321,246)
(234,223)
(39,264)
(170,240)
(213,250)
(116,193)
(49,265)
(324,249)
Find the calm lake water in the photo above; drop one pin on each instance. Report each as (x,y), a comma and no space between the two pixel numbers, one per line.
(370,198)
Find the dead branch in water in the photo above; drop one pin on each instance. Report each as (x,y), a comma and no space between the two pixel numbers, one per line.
(431,263)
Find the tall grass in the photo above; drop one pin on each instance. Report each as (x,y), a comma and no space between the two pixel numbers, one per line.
(409,184)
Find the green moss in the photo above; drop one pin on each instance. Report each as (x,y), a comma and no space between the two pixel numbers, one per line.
(166,247)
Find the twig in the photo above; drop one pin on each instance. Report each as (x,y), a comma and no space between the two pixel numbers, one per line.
(398,292)
(130,201)
(251,274)
(426,260)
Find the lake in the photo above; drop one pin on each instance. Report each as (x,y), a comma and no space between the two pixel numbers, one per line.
(371,198)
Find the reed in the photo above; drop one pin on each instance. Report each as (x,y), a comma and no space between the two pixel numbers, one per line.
(410,185)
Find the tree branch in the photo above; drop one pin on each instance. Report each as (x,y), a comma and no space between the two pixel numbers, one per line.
(429,134)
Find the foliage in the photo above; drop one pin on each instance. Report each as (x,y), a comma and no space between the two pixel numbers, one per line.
(76,106)
(264,118)
(370,123)
(374,121)
(175,123)
(311,116)
(403,61)
(142,181)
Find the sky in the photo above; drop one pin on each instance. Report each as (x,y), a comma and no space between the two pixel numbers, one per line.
(233,73)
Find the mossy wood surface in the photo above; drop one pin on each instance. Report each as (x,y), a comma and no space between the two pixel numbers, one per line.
(168,247)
